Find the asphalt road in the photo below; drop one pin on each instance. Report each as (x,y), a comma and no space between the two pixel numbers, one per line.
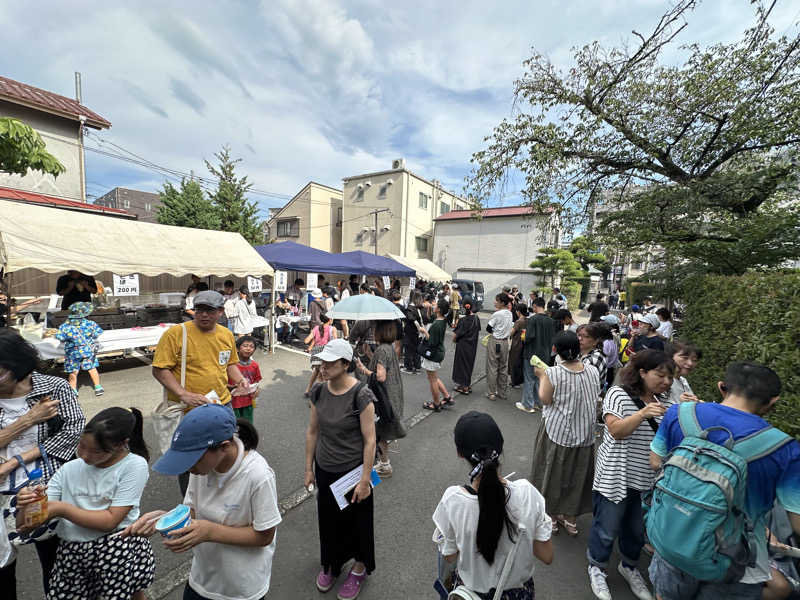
(424,465)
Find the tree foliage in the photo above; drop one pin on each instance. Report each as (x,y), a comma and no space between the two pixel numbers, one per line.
(587,254)
(555,264)
(692,157)
(187,206)
(234,210)
(22,149)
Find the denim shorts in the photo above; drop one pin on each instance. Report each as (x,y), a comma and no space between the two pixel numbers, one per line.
(673,584)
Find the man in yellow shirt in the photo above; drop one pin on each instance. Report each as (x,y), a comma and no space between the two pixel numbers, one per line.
(211,358)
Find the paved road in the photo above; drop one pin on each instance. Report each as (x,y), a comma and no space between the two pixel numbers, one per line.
(425,464)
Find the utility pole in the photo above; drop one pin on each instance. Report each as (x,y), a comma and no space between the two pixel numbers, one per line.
(376,212)
(82,119)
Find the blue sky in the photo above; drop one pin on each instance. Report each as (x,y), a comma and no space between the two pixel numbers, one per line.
(313,90)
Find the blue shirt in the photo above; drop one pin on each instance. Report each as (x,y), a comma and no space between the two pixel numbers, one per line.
(775,475)
(79,336)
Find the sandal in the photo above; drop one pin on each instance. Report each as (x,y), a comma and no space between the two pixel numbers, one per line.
(571,528)
(554,526)
(429,405)
(448,401)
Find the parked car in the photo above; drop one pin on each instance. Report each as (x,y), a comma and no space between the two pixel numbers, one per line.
(470,287)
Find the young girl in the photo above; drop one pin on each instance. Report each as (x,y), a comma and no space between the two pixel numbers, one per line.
(243,405)
(316,340)
(476,524)
(233,502)
(79,335)
(433,362)
(96,495)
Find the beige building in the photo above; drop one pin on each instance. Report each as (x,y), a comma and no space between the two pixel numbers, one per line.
(312,218)
(58,120)
(406,228)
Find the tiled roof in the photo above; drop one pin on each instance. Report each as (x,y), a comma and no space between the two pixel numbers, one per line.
(27,95)
(53,201)
(503,211)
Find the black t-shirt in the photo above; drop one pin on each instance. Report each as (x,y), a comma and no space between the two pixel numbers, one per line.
(597,310)
(75,295)
(648,343)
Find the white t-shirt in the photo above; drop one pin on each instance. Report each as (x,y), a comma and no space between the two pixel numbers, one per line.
(14,409)
(623,464)
(502,321)
(679,386)
(345,293)
(93,488)
(665,329)
(244,495)
(456,519)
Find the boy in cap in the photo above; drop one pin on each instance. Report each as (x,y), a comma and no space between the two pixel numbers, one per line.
(79,335)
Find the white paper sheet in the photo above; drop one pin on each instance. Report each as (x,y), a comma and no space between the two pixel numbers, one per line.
(344,484)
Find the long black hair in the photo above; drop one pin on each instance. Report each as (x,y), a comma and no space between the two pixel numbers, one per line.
(112,426)
(492,500)
(247,433)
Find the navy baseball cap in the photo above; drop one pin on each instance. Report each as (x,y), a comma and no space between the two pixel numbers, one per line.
(200,429)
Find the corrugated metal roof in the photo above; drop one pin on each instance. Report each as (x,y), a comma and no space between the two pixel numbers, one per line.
(45,200)
(27,95)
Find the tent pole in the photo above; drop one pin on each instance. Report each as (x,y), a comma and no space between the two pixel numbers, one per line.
(6,279)
(272,320)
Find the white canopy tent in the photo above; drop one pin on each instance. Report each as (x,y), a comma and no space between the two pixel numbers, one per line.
(425,268)
(55,240)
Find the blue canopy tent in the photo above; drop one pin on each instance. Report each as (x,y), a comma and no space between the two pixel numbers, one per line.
(289,256)
(372,264)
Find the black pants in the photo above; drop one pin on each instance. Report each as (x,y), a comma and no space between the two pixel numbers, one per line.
(46,550)
(190,594)
(411,360)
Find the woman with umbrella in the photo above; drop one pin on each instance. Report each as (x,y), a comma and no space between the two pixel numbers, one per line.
(466,338)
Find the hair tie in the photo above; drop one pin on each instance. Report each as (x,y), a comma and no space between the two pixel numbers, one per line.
(481,463)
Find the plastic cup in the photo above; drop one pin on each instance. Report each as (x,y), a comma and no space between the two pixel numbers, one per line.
(178,517)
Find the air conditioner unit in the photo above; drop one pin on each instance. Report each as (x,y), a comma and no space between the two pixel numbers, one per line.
(386,228)
(399,163)
(360,186)
(368,183)
(389,181)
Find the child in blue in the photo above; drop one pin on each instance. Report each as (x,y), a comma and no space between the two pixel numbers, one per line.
(79,335)
(748,393)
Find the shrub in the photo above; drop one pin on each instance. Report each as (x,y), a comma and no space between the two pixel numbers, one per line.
(585,284)
(749,317)
(572,290)
(638,291)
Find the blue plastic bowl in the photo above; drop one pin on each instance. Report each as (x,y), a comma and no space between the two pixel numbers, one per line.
(178,517)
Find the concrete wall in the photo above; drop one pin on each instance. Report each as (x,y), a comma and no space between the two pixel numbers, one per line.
(61,138)
(407,220)
(317,207)
(298,208)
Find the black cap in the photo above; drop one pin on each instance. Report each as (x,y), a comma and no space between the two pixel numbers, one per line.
(475,431)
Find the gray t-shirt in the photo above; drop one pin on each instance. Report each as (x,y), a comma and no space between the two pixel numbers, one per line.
(340,445)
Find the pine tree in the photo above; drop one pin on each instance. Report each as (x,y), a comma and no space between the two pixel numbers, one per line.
(187,206)
(235,211)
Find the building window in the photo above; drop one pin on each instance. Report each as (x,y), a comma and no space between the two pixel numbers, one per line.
(423,200)
(289,228)
(148,206)
(382,190)
(359,194)
(422,244)
(444,207)
(127,203)
(339,217)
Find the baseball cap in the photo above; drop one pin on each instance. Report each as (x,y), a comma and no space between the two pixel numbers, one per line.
(316,293)
(209,298)
(476,430)
(635,308)
(199,430)
(610,319)
(651,320)
(335,350)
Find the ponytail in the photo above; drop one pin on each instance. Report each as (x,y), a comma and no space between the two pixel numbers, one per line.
(492,499)
(323,320)
(247,433)
(136,440)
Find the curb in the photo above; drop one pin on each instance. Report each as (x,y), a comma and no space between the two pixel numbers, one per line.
(178,576)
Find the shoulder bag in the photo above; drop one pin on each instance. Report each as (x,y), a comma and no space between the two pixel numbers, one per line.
(462,592)
(167,415)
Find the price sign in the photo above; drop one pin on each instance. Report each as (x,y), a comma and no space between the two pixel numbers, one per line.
(281,281)
(412,282)
(254,284)
(311,281)
(386,282)
(126,285)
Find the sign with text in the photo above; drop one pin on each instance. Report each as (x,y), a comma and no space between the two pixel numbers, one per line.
(254,284)
(126,285)
(311,281)
(386,283)
(412,282)
(281,281)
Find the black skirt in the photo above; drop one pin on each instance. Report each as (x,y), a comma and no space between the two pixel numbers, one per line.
(343,534)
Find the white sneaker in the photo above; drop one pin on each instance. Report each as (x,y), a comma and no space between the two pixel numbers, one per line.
(636,581)
(597,579)
(521,406)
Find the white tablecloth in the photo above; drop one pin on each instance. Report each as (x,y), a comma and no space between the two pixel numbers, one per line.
(109,341)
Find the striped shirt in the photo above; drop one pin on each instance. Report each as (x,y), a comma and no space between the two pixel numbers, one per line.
(597,359)
(569,420)
(623,464)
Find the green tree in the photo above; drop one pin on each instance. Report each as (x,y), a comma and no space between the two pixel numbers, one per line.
(187,206)
(689,157)
(22,149)
(586,253)
(235,211)
(555,263)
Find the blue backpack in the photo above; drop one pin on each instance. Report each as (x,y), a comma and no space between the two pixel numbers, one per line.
(695,515)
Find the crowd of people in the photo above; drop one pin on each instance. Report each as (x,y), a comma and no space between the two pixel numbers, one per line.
(620,376)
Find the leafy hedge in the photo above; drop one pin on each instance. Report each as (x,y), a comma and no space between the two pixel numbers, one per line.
(572,290)
(585,283)
(639,291)
(749,317)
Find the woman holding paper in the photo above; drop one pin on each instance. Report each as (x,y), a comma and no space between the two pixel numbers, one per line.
(340,439)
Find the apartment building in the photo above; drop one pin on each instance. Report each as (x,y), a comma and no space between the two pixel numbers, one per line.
(494,245)
(312,218)
(408,205)
(142,204)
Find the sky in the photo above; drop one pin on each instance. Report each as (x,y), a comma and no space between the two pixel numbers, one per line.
(316,90)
